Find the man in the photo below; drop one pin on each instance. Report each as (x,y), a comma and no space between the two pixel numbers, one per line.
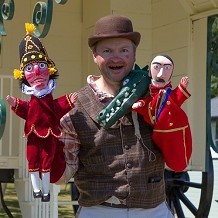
(119,174)
(162,109)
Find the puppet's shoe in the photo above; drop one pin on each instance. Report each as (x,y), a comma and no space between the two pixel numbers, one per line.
(46,197)
(37,194)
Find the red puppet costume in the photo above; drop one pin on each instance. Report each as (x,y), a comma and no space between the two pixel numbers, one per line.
(42,117)
(162,109)
(42,114)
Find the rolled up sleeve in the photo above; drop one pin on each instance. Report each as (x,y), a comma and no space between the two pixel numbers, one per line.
(71,146)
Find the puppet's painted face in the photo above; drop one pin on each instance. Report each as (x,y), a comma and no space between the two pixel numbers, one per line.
(161,70)
(37,75)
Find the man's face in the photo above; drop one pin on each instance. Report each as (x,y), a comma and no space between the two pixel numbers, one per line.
(115,58)
(37,75)
(161,70)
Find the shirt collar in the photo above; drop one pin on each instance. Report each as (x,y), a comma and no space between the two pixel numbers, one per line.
(102,96)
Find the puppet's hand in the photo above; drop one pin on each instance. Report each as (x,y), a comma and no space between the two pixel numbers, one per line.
(137,104)
(73,97)
(11,100)
(185,81)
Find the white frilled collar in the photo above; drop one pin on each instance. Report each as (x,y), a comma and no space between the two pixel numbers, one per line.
(39,93)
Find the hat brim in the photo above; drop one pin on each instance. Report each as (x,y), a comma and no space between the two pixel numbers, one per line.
(133,36)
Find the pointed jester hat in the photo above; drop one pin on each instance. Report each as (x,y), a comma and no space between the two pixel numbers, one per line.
(32,50)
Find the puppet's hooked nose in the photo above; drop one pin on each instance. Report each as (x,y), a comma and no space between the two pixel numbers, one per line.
(160,73)
(36,69)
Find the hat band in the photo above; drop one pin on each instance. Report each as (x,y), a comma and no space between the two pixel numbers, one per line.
(32,57)
(114,32)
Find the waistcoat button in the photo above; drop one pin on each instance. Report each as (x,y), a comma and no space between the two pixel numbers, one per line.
(129,165)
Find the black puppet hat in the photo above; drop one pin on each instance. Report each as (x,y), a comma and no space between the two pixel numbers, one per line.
(32,50)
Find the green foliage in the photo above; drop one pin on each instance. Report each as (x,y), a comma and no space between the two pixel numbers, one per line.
(212,54)
(214,86)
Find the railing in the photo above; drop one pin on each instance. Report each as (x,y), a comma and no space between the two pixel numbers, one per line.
(6,175)
(11,149)
(12,154)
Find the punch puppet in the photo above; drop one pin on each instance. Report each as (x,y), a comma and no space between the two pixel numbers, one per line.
(42,113)
(162,109)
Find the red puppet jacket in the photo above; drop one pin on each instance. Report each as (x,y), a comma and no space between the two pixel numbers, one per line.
(43,115)
(171,133)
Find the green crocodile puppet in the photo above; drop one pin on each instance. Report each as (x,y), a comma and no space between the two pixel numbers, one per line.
(134,86)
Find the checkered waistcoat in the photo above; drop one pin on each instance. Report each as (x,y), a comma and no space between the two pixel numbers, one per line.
(112,161)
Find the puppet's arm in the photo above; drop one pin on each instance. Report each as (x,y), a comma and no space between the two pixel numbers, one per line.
(144,107)
(181,93)
(19,106)
(64,104)
(138,104)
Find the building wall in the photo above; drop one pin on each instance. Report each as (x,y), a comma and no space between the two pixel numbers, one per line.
(170,34)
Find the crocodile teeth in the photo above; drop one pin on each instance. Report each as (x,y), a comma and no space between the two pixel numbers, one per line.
(124,100)
(112,114)
(118,102)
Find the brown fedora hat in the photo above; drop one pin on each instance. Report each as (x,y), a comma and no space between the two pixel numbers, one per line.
(114,26)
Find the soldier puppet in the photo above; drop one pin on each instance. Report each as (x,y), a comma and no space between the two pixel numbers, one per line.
(162,109)
(41,113)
